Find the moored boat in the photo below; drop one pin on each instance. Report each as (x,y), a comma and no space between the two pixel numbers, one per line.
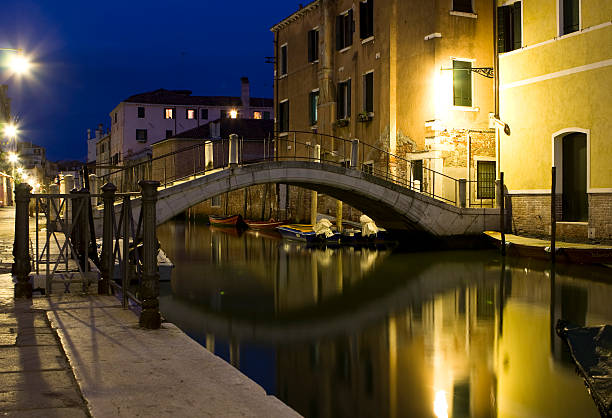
(306,233)
(269,224)
(566,252)
(233,221)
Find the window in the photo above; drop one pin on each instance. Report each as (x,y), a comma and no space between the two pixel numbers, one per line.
(368,92)
(168,133)
(416,169)
(344,30)
(192,114)
(569,16)
(215,201)
(366,19)
(344,99)
(283,60)
(257,115)
(283,116)
(463,6)
(115,117)
(266,115)
(204,114)
(313,45)
(367,168)
(313,101)
(485,177)
(462,83)
(141,112)
(141,135)
(509,27)
(168,113)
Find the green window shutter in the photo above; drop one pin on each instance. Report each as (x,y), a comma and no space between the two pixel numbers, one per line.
(485,176)
(516,33)
(369,92)
(502,29)
(571,17)
(348,98)
(314,103)
(339,32)
(462,83)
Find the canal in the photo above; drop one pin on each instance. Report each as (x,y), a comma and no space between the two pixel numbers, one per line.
(382,333)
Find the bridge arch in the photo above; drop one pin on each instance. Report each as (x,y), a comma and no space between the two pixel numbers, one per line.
(390,205)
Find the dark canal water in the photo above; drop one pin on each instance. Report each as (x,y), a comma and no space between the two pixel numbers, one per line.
(380,333)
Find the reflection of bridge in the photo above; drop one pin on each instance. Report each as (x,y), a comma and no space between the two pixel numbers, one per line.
(389,204)
(340,316)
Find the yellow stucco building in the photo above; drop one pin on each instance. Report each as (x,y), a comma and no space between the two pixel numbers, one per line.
(555,68)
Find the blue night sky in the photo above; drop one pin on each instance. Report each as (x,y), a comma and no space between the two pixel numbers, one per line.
(91,54)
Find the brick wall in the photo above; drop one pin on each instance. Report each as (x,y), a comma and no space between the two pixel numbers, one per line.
(531,216)
(600,216)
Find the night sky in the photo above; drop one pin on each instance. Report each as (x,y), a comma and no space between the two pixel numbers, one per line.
(91,54)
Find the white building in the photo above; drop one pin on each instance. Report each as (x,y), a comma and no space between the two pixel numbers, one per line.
(145,118)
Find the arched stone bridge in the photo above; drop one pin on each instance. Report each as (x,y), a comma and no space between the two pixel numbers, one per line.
(389,205)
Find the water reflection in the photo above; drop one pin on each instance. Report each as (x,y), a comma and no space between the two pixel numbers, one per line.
(350,332)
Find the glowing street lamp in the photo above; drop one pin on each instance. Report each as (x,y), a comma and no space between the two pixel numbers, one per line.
(233,114)
(19,63)
(10,130)
(13,158)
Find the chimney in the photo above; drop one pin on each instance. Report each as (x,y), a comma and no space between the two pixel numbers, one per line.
(245,97)
(99,132)
(88,134)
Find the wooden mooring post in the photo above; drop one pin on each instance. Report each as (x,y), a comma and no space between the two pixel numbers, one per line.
(553,215)
(502,214)
(108,258)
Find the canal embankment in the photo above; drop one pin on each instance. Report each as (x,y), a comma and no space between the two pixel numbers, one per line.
(120,369)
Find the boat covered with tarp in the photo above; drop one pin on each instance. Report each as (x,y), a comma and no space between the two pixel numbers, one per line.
(591,350)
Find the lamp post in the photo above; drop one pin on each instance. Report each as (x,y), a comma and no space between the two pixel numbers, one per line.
(20,64)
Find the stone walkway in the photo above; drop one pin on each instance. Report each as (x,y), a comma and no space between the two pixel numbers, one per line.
(35,377)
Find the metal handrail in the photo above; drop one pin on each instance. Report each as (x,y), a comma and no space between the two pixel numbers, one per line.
(334,150)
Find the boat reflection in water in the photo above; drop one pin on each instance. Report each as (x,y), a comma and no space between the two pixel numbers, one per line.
(366,332)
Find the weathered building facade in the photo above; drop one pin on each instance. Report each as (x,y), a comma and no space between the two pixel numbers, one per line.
(408,77)
(555,68)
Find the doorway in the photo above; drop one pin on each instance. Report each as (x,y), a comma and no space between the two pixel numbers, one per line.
(574,178)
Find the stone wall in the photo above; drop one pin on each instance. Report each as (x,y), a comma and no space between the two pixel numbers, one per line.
(600,216)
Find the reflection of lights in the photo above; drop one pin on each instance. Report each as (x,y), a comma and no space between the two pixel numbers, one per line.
(440,405)
(233,113)
(12,157)
(10,130)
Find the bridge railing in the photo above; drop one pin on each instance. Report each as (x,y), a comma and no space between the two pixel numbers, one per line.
(207,156)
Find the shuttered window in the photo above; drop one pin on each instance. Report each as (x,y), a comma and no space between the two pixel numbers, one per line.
(344,30)
(368,92)
(571,16)
(313,100)
(366,19)
(313,45)
(509,27)
(485,176)
(141,135)
(462,6)
(344,99)
(283,116)
(462,83)
(283,60)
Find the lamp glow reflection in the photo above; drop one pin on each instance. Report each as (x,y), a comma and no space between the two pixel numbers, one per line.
(440,405)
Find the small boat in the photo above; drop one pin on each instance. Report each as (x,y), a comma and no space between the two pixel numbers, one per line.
(590,350)
(566,252)
(269,224)
(234,221)
(306,233)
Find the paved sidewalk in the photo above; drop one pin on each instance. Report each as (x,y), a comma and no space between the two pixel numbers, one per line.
(35,377)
